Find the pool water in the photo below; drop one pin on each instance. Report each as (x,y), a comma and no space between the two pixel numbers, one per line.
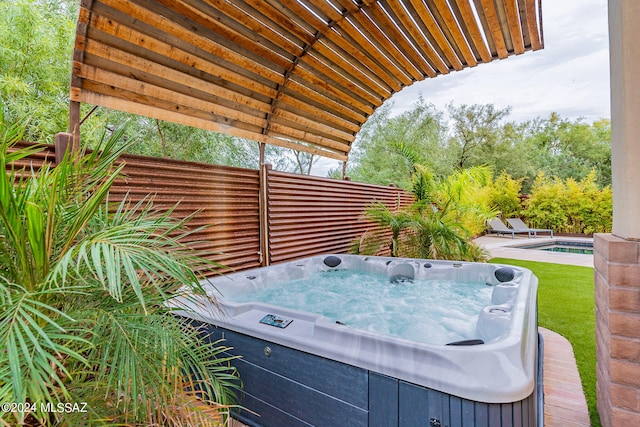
(585,248)
(426,311)
(569,249)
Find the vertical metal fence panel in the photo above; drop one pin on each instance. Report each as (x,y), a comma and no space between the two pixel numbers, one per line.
(310,215)
(224,200)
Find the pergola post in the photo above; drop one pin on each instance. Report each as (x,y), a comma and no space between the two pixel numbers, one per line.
(64,141)
(617,255)
(263,206)
(74,124)
(61,143)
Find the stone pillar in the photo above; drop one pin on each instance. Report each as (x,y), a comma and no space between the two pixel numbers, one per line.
(617,278)
(617,255)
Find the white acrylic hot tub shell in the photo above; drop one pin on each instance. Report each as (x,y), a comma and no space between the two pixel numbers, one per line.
(500,371)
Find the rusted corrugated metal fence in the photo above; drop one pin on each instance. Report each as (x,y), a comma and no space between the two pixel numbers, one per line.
(301,215)
(225,199)
(310,215)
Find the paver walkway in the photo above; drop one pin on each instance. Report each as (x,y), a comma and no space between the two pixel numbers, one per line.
(564,401)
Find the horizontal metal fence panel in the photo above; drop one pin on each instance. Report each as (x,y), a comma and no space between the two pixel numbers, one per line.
(310,215)
(35,161)
(223,201)
(305,215)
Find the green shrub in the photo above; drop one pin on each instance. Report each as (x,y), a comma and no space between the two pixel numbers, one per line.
(447,213)
(504,195)
(569,206)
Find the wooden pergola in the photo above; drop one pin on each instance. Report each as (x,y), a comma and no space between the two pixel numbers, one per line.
(303,74)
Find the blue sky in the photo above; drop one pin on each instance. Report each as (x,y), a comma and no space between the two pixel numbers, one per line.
(569,76)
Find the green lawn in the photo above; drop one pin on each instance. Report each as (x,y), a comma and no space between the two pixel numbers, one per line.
(566,305)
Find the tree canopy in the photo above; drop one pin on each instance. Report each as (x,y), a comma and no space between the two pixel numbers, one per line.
(477,135)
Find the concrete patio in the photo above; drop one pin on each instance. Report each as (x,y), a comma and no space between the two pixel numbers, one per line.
(506,247)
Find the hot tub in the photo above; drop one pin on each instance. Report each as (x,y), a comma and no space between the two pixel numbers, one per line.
(326,367)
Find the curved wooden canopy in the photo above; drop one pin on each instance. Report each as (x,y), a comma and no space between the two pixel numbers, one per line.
(303,74)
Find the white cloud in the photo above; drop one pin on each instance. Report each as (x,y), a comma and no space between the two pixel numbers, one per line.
(569,76)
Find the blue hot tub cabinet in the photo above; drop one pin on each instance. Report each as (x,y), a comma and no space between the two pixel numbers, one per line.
(284,387)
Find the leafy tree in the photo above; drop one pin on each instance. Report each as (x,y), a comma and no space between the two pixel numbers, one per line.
(587,206)
(35,64)
(304,162)
(447,213)
(570,149)
(465,193)
(84,286)
(515,156)
(505,195)
(375,158)
(468,192)
(476,133)
(544,208)
(157,138)
(569,205)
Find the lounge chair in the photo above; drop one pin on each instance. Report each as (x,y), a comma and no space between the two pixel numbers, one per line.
(498,227)
(518,224)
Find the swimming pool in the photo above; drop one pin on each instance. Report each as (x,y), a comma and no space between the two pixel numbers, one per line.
(304,365)
(572,247)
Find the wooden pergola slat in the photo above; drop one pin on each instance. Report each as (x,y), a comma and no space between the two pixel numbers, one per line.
(421,43)
(471,29)
(302,74)
(513,18)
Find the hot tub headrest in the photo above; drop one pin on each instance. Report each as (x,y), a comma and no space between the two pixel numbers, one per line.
(466,342)
(505,274)
(401,272)
(332,261)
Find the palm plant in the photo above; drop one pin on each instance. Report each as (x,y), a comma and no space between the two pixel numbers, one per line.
(469,191)
(444,217)
(84,285)
(439,236)
(449,211)
(395,221)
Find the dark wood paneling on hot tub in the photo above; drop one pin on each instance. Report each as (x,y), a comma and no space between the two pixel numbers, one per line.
(291,385)
(292,388)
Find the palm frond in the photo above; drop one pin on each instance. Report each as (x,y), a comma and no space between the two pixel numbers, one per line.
(412,156)
(132,247)
(36,343)
(143,357)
